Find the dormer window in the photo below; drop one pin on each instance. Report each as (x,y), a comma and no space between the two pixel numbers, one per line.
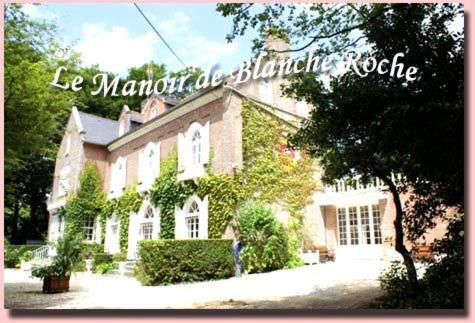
(121,128)
(149,165)
(193,151)
(196,148)
(118,177)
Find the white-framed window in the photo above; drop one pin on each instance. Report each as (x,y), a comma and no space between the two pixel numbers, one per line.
(265,90)
(149,165)
(88,228)
(146,227)
(191,221)
(64,181)
(359,225)
(118,177)
(121,127)
(193,151)
(68,145)
(196,148)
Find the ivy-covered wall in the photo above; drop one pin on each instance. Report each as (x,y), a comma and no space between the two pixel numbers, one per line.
(267,175)
(89,200)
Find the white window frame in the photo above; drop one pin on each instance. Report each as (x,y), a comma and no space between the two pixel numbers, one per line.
(118,179)
(148,166)
(374,228)
(153,110)
(88,223)
(190,167)
(183,214)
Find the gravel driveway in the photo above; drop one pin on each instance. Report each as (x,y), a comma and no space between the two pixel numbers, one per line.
(324,286)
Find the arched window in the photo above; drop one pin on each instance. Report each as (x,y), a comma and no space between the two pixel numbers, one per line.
(192,220)
(146,227)
(196,147)
(121,128)
(265,90)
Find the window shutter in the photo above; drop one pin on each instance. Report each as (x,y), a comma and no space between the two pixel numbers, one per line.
(181,152)
(203,233)
(179,223)
(156,162)
(206,143)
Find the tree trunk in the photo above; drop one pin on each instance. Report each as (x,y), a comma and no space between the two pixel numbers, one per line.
(399,246)
(16,216)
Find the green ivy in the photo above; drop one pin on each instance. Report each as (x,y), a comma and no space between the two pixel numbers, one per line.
(130,201)
(224,195)
(89,200)
(167,192)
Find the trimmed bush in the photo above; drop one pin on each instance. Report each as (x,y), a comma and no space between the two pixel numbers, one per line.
(102,258)
(164,262)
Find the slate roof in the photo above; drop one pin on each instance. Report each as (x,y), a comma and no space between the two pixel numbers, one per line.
(99,131)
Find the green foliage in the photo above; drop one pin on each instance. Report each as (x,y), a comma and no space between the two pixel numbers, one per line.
(167,193)
(224,195)
(68,253)
(12,254)
(443,283)
(164,262)
(267,173)
(266,244)
(104,268)
(129,201)
(88,201)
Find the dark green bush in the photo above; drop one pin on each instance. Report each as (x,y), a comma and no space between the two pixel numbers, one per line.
(101,258)
(14,253)
(265,240)
(164,262)
(443,283)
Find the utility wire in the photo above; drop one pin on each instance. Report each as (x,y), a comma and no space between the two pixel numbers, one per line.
(158,34)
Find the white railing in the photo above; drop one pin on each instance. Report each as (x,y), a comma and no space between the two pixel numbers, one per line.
(43,253)
(355,184)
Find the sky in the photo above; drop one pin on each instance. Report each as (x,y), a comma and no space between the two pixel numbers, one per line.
(116,37)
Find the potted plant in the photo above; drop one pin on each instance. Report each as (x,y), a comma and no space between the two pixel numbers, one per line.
(57,271)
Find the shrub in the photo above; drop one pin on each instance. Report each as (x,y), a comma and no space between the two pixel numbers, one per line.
(11,257)
(265,240)
(165,262)
(101,258)
(443,283)
(104,268)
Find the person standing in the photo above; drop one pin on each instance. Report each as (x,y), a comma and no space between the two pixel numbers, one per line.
(237,248)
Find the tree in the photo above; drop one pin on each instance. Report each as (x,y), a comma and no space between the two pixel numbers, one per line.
(378,125)
(34,112)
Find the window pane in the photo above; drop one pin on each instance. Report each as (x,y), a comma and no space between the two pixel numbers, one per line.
(353,218)
(342,226)
(88,228)
(377,224)
(365,226)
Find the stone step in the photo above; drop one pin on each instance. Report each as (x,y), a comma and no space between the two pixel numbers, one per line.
(115,272)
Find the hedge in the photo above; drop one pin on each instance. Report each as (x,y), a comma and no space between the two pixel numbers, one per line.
(164,262)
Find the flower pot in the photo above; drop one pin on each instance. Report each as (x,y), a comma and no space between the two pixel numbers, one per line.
(56,284)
